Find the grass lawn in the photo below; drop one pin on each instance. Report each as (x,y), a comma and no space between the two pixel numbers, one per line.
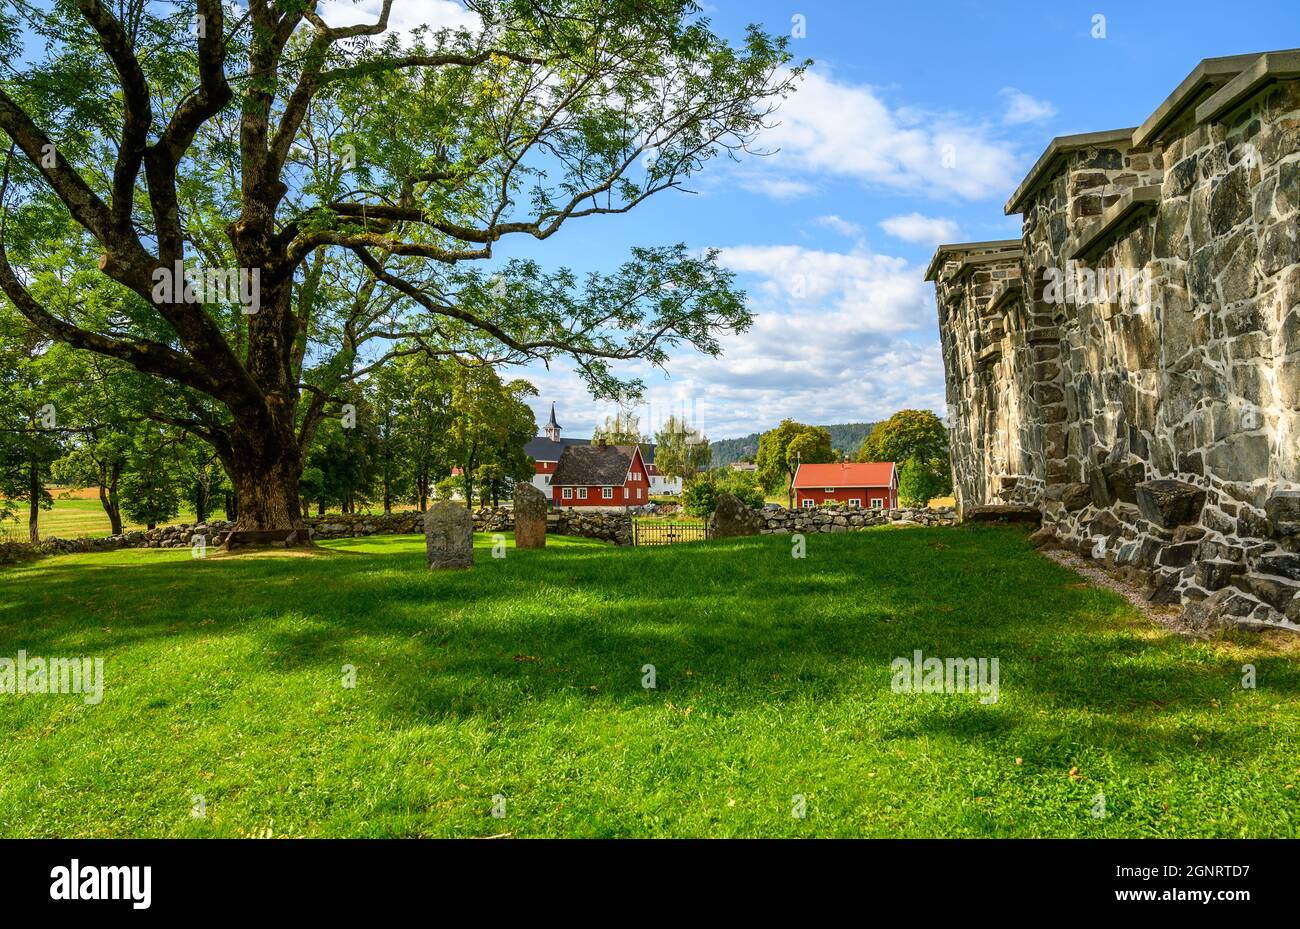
(523,678)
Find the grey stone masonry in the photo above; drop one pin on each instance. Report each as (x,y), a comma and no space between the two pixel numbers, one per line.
(1131,364)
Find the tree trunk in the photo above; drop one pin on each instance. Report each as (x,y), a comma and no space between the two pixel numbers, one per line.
(34,513)
(232,507)
(200,501)
(108,497)
(265,470)
(388,499)
(320,506)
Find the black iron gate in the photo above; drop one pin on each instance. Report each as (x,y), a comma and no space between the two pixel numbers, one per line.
(659,532)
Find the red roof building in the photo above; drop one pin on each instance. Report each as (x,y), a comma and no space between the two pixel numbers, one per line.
(868,484)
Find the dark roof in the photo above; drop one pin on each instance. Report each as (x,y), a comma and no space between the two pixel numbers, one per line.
(603,465)
(553,422)
(543,449)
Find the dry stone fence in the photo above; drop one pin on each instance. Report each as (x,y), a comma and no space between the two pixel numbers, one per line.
(1130,365)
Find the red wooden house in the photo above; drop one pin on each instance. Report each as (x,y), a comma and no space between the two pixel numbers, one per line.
(600,475)
(869,484)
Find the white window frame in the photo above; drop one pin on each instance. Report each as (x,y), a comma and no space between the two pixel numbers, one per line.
(567,493)
(807,503)
(855,503)
(877,503)
(582,493)
(829,490)
(607,493)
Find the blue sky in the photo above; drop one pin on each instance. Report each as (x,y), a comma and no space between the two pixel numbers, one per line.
(830,236)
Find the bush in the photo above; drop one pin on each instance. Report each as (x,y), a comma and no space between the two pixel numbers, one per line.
(700,497)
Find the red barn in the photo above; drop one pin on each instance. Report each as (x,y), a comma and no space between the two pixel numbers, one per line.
(600,475)
(870,484)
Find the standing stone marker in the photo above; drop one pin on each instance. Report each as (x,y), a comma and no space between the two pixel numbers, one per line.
(449,536)
(530,517)
(733,518)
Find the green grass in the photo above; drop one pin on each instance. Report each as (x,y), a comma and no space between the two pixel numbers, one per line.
(71,518)
(522,677)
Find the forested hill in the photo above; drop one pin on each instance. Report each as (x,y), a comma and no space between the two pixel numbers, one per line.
(846,437)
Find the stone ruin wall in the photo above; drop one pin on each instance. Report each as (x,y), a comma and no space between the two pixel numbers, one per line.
(1157,430)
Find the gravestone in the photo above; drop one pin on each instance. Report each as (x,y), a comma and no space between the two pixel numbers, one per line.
(530,517)
(733,518)
(449,536)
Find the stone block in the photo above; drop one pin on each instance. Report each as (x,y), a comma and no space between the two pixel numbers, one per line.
(1283,564)
(1215,574)
(1170,504)
(1282,510)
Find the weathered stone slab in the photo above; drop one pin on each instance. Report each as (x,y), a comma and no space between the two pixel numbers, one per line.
(1283,564)
(449,536)
(1003,513)
(1283,511)
(1215,573)
(1073,496)
(732,518)
(1170,504)
(530,516)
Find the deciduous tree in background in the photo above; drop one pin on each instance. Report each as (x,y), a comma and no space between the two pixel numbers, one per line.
(919,437)
(681,450)
(781,450)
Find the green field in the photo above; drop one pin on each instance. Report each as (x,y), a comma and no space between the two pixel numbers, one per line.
(72,517)
(522,678)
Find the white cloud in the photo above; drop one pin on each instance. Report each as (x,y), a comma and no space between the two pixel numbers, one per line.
(837,337)
(1022,108)
(842,226)
(405,15)
(846,130)
(778,188)
(923,230)
(852,293)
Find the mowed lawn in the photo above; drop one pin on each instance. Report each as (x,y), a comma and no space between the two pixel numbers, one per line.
(522,679)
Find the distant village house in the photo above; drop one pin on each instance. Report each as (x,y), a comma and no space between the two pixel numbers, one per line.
(870,484)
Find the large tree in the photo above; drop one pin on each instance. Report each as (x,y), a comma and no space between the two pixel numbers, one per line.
(919,439)
(783,449)
(332,189)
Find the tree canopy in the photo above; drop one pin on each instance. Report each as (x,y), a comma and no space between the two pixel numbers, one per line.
(918,442)
(781,450)
(264,208)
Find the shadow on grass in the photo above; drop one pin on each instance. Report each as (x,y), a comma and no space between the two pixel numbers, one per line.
(726,624)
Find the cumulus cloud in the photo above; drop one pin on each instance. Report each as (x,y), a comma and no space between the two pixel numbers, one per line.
(923,230)
(837,337)
(847,130)
(1022,108)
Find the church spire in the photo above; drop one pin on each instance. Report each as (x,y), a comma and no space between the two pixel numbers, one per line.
(553,428)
